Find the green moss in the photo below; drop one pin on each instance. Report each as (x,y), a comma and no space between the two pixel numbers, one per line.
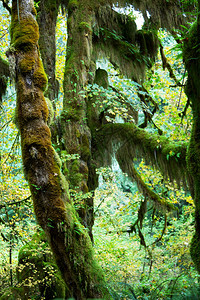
(85,26)
(85,148)
(57,159)
(69,65)
(40,77)
(26,65)
(101,78)
(64,186)
(169,157)
(51,111)
(195,251)
(24,35)
(73,4)
(71,113)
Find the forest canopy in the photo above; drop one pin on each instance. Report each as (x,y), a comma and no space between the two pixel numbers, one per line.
(99,149)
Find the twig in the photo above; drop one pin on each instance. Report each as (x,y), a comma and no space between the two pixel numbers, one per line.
(16,202)
(16,138)
(6,6)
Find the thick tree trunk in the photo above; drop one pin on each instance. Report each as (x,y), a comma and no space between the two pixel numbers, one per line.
(192,62)
(76,134)
(55,213)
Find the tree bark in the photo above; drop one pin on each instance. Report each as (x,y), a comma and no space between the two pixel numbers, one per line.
(76,134)
(47,17)
(54,210)
(192,63)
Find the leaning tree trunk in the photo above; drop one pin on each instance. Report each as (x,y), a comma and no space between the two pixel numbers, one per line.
(192,62)
(55,213)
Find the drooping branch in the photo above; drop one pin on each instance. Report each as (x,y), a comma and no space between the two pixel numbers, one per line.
(163,14)
(115,36)
(126,165)
(169,157)
(166,64)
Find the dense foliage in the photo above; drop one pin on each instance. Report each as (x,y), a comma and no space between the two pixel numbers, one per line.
(142,245)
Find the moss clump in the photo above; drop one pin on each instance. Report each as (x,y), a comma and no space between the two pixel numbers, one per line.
(85,148)
(39,77)
(24,35)
(51,111)
(75,177)
(71,113)
(26,65)
(85,26)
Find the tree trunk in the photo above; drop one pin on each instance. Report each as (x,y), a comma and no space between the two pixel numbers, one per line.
(55,213)
(192,62)
(76,134)
(47,17)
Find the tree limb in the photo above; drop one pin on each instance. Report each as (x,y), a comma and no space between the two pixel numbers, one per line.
(167,156)
(5,4)
(127,166)
(166,64)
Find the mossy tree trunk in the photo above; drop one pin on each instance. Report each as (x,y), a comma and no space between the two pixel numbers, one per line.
(55,213)
(79,71)
(46,18)
(192,62)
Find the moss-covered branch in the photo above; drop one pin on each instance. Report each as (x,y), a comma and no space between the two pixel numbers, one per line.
(169,157)
(166,64)
(127,166)
(116,36)
(167,14)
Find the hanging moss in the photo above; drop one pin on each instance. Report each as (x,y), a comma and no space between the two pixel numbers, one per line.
(126,165)
(122,54)
(148,43)
(164,14)
(116,37)
(168,157)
